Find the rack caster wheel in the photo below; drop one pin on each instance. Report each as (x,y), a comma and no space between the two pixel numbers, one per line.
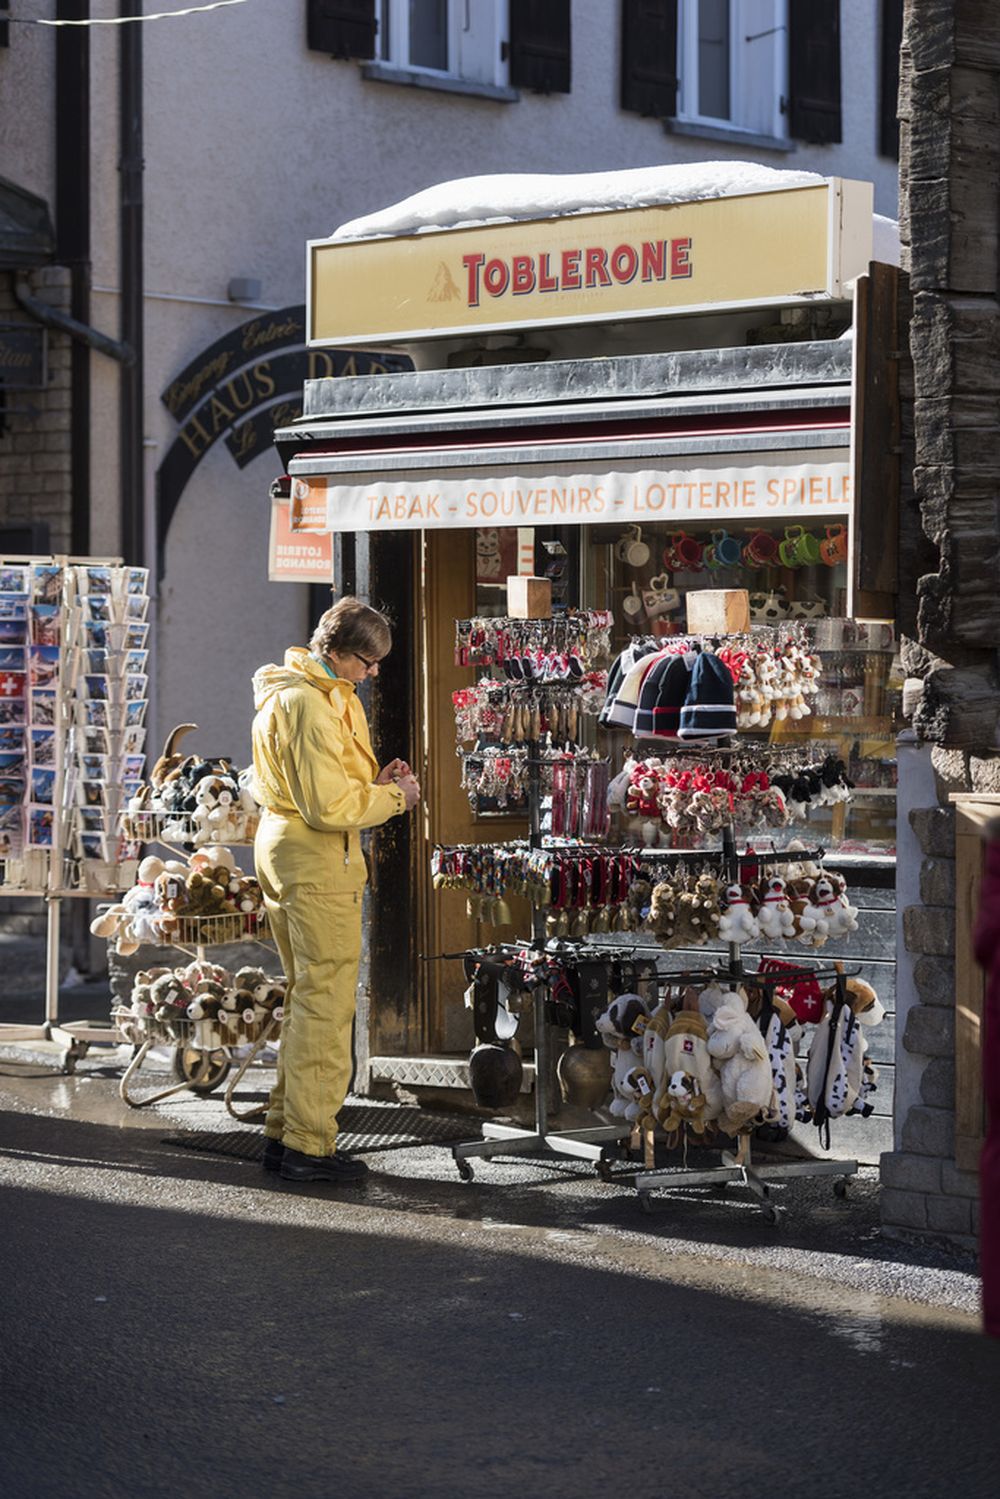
(202,1072)
(840,1186)
(465,1170)
(771,1213)
(603,1169)
(646,1202)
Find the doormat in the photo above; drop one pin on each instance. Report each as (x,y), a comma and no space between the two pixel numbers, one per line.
(364,1128)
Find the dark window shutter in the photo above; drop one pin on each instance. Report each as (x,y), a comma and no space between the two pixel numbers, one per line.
(4,27)
(814,70)
(540,45)
(341,28)
(649,57)
(892,41)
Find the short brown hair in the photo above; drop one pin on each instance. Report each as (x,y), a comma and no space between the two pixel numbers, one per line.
(352,626)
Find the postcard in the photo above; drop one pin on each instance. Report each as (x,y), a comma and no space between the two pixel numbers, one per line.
(91,794)
(135,714)
(97,608)
(95,713)
(13,764)
(138,580)
(94,846)
(11,792)
(97,687)
(43,785)
(43,709)
(135,686)
(135,765)
(136,635)
(135,609)
(11,739)
(43,665)
(135,661)
(13,710)
(40,827)
(11,832)
(94,767)
(43,746)
(96,634)
(44,624)
(13,579)
(46,582)
(12,684)
(98,579)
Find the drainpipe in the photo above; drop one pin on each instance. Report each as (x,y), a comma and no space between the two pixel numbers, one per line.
(61,322)
(132,466)
(72,204)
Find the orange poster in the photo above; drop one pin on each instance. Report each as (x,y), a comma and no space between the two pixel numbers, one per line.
(297,557)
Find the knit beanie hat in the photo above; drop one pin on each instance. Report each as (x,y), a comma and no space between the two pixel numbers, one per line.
(709,711)
(661,698)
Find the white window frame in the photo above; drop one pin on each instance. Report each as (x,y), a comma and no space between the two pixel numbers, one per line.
(776,46)
(485,65)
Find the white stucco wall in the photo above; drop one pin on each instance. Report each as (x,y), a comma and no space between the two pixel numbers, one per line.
(252,146)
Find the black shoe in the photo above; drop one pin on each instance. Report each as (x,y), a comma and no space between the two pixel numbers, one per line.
(273,1154)
(339,1169)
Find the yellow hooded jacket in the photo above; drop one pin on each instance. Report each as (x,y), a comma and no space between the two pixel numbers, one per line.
(315,774)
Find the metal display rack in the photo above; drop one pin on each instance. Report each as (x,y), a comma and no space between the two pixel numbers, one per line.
(58,884)
(604,1143)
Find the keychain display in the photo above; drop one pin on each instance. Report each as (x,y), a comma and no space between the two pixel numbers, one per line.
(536,649)
(517,714)
(574,786)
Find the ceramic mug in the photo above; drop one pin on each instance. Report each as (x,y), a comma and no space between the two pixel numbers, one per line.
(802,549)
(631,548)
(833,547)
(632,603)
(659,598)
(760,550)
(689,554)
(726,549)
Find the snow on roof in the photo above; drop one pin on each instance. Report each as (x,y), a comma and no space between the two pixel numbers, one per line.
(505,196)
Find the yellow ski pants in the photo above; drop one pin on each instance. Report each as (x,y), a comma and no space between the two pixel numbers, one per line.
(318,936)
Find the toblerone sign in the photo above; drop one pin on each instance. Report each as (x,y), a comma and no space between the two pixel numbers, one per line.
(793,244)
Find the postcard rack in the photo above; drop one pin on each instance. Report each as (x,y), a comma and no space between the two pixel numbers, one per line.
(73,701)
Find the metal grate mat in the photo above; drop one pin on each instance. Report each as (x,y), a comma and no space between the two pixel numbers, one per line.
(364,1128)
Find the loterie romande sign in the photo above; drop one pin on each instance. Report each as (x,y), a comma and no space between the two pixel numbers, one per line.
(784,245)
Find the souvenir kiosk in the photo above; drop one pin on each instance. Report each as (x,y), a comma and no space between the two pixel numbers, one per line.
(633,402)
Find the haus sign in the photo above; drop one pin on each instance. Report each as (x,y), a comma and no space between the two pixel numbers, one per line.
(803,491)
(792,244)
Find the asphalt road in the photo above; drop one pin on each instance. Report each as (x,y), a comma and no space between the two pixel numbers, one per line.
(181,1323)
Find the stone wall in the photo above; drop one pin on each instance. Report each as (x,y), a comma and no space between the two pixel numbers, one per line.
(949,106)
(35,448)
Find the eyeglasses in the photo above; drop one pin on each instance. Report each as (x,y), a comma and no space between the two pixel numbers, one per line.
(364,660)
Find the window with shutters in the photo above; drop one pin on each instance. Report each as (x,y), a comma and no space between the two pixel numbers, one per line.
(732,59)
(451,38)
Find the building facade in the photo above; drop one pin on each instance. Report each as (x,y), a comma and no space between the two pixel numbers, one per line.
(186,163)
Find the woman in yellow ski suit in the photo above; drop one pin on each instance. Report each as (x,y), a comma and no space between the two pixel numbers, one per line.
(319,784)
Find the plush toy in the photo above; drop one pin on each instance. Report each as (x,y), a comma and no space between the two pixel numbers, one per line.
(737,1047)
(775,917)
(812,924)
(836,1071)
(653,1037)
(663,912)
(737,923)
(170,997)
(842,917)
(621,1028)
(782,1034)
(692,1093)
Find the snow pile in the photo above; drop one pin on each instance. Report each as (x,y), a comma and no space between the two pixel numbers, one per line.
(502,197)
(885,239)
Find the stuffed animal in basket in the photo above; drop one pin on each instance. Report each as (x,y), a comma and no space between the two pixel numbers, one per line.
(738,1051)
